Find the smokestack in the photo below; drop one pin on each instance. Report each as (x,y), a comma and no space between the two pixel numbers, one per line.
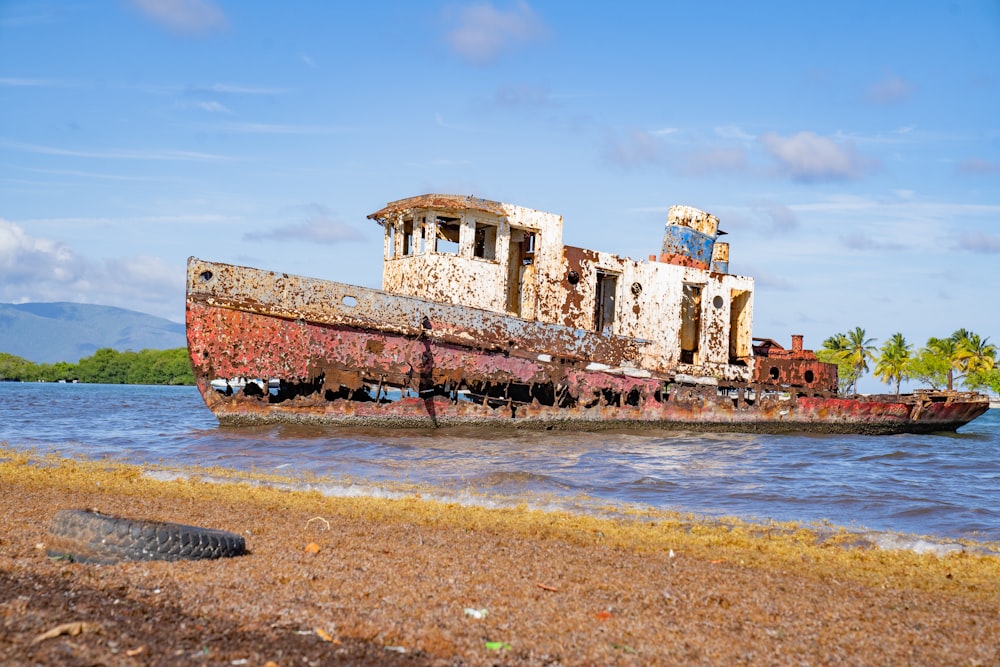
(720,257)
(689,237)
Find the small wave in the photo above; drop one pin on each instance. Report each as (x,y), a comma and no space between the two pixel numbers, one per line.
(655,482)
(896,455)
(519,481)
(920,545)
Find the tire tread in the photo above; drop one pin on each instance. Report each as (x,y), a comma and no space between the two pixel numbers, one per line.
(86,536)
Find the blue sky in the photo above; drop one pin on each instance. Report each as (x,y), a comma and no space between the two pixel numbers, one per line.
(850,149)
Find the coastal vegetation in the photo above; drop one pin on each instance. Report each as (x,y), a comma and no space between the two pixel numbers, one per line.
(105,366)
(963,359)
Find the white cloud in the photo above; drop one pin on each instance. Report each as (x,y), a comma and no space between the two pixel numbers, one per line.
(891,90)
(636,148)
(28,83)
(187,17)
(713,160)
(37,269)
(522,96)
(212,107)
(234,89)
(809,157)
(782,218)
(863,241)
(167,155)
(484,32)
(977,166)
(733,132)
(318,225)
(271,128)
(980,242)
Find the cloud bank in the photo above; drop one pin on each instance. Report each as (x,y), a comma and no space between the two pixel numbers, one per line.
(484,32)
(37,269)
(809,157)
(184,17)
(319,225)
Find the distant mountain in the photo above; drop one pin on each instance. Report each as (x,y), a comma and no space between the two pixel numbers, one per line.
(49,332)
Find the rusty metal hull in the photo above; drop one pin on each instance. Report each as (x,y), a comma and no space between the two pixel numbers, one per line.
(352,356)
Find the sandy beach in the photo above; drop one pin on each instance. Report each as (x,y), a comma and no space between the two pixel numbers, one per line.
(413,581)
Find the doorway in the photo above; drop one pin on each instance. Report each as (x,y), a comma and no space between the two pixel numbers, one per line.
(604,302)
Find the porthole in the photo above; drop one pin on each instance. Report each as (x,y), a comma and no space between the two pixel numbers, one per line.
(718,302)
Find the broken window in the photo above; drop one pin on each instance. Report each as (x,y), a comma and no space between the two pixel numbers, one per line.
(448,234)
(690,323)
(420,231)
(485,245)
(739,326)
(529,248)
(390,241)
(408,237)
(604,306)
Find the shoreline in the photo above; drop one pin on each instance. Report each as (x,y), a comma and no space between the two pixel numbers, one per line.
(387,581)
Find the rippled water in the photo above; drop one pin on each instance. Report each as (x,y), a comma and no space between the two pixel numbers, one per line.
(945,485)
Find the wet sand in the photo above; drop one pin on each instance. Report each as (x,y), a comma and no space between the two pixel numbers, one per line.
(374,581)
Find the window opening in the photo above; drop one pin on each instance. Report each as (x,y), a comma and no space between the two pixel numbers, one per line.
(408,237)
(390,240)
(485,245)
(739,326)
(520,268)
(604,306)
(529,248)
(690,323)
(448,234)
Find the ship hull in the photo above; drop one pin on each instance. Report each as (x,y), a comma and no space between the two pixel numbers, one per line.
(394,362)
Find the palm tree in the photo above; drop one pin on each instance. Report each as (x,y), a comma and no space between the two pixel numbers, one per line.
(860,352)
(893,361)
(836,351)
(947,349)
(976,354)
(975,357)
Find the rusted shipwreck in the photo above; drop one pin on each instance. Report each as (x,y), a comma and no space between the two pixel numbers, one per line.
(485,318)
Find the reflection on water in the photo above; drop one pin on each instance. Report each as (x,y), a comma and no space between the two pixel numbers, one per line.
(943,485)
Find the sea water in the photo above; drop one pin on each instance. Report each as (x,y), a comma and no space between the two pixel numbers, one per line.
(944,486)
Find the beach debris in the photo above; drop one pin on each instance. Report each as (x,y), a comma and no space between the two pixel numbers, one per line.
(603,615)
(623,648)
(326,636)
(85,536)
(476,613)
(132,652)
(71,629)
(318,518)
(545,587)
(396,649)
(498,646)
(312,548)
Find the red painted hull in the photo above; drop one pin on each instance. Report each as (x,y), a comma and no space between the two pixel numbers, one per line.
(365,377)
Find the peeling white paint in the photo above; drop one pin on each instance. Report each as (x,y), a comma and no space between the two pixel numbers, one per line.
(510,260)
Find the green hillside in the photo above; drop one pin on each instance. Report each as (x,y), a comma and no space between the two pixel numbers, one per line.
(53,332)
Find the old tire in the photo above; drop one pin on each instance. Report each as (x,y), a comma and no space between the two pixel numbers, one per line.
(92,537)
